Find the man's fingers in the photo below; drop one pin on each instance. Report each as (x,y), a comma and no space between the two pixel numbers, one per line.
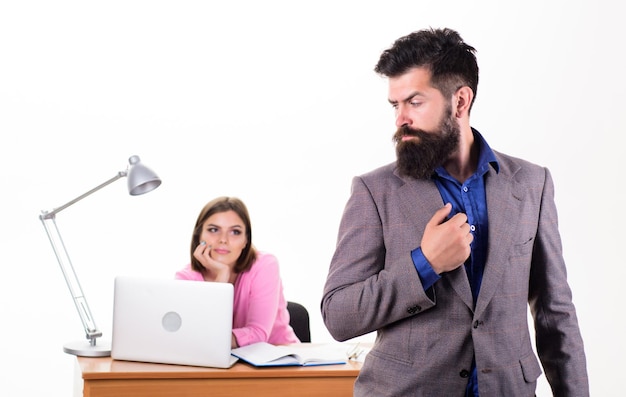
(441,214)
(459,219)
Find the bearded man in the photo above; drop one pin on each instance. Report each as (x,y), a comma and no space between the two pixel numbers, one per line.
(443,251)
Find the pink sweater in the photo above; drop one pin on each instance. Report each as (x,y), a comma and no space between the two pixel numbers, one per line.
(260,309)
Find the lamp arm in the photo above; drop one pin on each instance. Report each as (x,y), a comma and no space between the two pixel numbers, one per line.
(91,330)
(50,214)
(48,220)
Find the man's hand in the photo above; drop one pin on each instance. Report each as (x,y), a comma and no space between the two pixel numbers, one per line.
(446,243)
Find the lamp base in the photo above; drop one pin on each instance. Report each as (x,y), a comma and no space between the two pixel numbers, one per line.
(85,349)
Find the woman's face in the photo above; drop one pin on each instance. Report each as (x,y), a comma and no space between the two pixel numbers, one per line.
(225,233)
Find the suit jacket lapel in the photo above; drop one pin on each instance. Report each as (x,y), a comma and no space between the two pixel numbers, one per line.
(503,208)
(419,199)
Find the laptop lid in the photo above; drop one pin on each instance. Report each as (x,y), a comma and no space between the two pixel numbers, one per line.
(172,322)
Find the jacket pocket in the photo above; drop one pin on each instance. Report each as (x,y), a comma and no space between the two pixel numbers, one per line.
(530,368)
(524,248)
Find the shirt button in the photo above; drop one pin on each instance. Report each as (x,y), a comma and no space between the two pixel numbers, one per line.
(465,189)
(473,228)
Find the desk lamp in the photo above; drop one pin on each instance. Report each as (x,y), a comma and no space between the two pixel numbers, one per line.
(140,180)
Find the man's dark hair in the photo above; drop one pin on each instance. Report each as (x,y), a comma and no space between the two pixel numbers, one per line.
(451,61)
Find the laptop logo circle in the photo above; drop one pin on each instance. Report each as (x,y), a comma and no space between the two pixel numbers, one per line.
(171,321)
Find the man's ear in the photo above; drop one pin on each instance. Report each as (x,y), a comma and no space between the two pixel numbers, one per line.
(462,101)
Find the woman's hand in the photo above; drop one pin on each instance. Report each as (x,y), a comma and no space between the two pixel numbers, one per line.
(220,271)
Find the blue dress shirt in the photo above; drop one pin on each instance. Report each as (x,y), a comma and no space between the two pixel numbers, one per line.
(469,198)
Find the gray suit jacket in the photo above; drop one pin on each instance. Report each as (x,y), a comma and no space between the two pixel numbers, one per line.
(426,339)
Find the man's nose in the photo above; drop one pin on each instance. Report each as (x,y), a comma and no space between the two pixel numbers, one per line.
(402,118)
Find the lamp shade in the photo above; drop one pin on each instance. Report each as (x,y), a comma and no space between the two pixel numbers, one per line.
(141,179)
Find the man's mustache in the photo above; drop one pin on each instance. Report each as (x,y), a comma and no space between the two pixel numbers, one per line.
(405,130)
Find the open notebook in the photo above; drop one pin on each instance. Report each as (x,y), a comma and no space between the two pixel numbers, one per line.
(172,322)
(263,354)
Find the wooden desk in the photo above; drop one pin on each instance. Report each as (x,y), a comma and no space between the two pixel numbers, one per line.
(105,377)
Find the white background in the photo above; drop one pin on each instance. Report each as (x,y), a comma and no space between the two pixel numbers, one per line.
(276,103)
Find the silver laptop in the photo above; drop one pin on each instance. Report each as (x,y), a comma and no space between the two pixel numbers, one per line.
(172,322)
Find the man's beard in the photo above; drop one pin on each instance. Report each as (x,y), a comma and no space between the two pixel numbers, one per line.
(418,158)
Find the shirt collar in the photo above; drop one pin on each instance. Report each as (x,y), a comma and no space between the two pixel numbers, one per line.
(486,156)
